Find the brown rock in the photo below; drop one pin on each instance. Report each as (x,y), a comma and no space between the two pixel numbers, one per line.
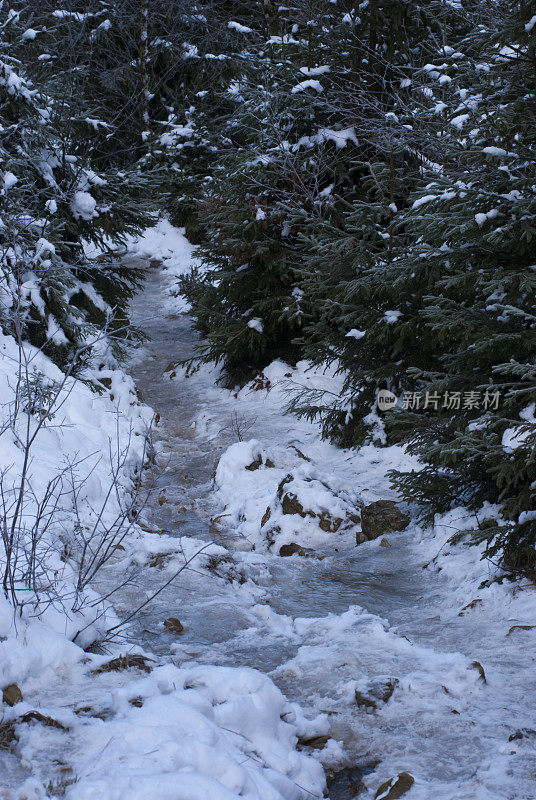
(12,695)
(291,549)
(328,523)
(395,787)
(382,517)
(385,543)
(291,505)
(266,516)
(128,661)
(377,691)
(316,742)
(174,625)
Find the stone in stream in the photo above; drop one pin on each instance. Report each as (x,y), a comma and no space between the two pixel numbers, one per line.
(315,742)
(374,692)
(347,783)
(12,695)
(395,787)
(382,517)
(291,549)
(174,625)
(295,494)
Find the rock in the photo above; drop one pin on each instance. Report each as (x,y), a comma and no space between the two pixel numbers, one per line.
(291,505)
(174,625)
(395,787)
(348,781)
(329,524)
(259,462)
(521,734)
(376,691)
(128,661)
(291,549)
(12,695)
(385,543)
(382,517)
(316,742)
(266,516)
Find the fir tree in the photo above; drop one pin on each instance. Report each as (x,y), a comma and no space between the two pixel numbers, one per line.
(474,228)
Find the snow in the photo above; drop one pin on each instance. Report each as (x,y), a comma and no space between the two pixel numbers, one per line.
(168,244)
(355,334)
(481,218)
(201,731)
(530,24)
(312,71)
(84,206)
(195,731)
(325,623)
(256,324)
(442,620)
(309,84)
(391,316)
(421,201)
(339,138)
(495,151)
(459,121)
(9,180)
(236,26)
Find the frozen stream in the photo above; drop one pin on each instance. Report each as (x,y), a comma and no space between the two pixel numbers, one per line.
(443,724)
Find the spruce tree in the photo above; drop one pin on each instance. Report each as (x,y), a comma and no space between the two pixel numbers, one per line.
(284,154)
(361,238)
(474,228)
(55,198)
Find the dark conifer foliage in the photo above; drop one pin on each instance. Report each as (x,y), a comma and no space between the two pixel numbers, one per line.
(359,177)
(408,253)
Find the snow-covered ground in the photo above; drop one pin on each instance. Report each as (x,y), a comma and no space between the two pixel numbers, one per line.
(70,725)
(419,614)
(392,651)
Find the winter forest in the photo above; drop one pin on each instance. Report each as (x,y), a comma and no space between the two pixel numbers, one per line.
(267,399)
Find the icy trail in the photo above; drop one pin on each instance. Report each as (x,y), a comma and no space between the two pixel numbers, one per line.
(462,714)
(447,662)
